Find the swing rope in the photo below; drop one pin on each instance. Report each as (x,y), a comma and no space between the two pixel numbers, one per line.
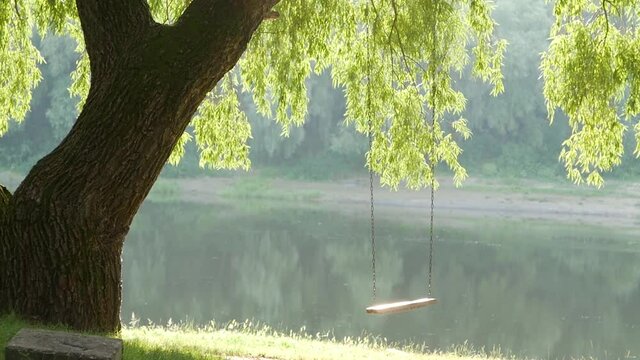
(433,182)
(373,231)
(432,159)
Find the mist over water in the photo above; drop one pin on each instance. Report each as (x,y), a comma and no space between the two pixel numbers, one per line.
(538,289)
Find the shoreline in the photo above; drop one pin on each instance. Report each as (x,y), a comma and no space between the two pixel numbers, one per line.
(619,206)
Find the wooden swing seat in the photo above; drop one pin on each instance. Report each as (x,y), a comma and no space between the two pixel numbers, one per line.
(400,306)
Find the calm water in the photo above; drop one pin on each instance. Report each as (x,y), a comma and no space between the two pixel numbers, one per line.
(536,289)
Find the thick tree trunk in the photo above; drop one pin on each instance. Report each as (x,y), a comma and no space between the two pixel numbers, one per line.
(63,229)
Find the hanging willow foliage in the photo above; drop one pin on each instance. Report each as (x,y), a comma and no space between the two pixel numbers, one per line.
(592,73)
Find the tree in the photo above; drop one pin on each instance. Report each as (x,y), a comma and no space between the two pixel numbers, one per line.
(63,228)
(150,68)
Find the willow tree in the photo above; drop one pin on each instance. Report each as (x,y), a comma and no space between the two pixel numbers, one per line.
(148,69)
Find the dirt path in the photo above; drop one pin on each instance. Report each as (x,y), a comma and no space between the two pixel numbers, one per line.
(617,205)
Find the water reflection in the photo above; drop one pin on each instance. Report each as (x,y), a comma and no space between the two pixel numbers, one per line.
(535,289)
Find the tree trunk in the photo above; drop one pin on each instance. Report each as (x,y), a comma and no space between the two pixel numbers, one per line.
(63,229)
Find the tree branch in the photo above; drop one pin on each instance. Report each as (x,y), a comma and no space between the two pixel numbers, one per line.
(211,30)
(203,14)
(259,7)
(110,27)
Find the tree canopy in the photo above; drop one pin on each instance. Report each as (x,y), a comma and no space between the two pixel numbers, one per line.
(399,63)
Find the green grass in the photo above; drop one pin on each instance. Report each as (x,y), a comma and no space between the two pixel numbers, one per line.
(260,188)
(183,342)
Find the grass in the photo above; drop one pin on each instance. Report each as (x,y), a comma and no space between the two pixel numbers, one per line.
(246,340)
(260,188)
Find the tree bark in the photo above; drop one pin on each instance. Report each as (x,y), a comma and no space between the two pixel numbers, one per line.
(63,228)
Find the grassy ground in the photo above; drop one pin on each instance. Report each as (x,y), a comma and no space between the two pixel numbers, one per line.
(245,341)
(261,188)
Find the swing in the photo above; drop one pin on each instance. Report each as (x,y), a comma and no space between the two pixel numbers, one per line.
(399,306)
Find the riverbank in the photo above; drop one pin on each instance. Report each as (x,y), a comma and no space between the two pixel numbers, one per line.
(618,204)
(243,341)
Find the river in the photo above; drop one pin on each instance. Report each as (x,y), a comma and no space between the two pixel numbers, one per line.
(534,288)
